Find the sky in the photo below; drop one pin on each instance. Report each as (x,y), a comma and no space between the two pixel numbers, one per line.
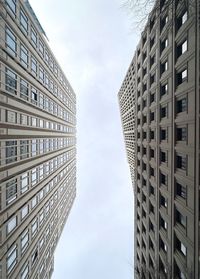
(94,44)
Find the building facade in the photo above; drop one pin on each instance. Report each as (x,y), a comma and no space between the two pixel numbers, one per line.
(37,145)
(159,104)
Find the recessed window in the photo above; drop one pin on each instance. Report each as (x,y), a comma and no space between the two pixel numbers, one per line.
(33,65)
(163,22)
(182,48)
(11,151)
(11,225)
(34,201)
(163,67)
(181,134)
(163,156)
(34,95)
(152,60)
(11,191)
(163,223)
(152,42)
(11,258)
(181,105)
(164,44)
(23,21)
(163,112)
(180,218)
(163,179)
(163,201)
(24,240)
(24,90)
(181,76)
(181,162)
(41,74)
(152,97)
(152,134)
(11,42)
(24,149)
(34,176)
(11,5)
(152,116)
(33,37)
(34,227)
(182,19)
(24,56)
(144,56)
(11,81)
(25,271)
(164,89)
(152,79)
(181,190)
(178,272)
(180,247)
(24,181)
(163,246)
(24,211)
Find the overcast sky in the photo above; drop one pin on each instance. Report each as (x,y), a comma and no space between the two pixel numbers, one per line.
(94,44)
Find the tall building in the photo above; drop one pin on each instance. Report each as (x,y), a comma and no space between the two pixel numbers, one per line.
(160,105)
(37,145)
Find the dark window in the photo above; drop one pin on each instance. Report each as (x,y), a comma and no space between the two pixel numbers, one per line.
(152,153)
(181,162)
(144,87)
(152,116)
(152,41)
(163,223)
(138,52)
(152,97)
(163,44)
(163,156)
(144,151)
(11,42)
(181,48)
(144,56)
(24,92)
(163,179)
(181,76)
(151,171)
(152,79)
(144,168)
(163,246)
(163,112)
(144,135)
(152,60)
(163,67)
(151,226)
(180,218)
(34,95)
(181,105)
(151,208)
(182,19)
(151,189)
(178,272)
(163,201)
(144,119)
(144,71)
(163,134)
(180,247)
(163,22)
(152,22)
(181,190)
(11,81)
(144,39)
(163,89)
(152,135)
(181,134)
(144,213)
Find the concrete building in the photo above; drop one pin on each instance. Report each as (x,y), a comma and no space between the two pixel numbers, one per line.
(160,105)
(37,145)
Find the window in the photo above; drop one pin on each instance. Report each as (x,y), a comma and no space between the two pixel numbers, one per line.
(181,76)
(34,95)
(163,246)
(24,240)
(23,119)
(11,191)
(152,41)
(11,81)
(11,4)
(24,272)
(180,218)
(181,105)
(34,227)
(152,60)
(181,191)
(23,21)
(24,92)
(164,21)
(163,156)
(33,37)
(11,116)
(178,273)
(152,134)
(163,89)
(34,176)
(181,134)
(34,257)
(11,258)
(163,112)
(163,179)
(163,134)
(181,247)
(33,148)
(41,74)
(24,56)
(24,182)
(152,97)
(11,151)
(152,79)
(33,65)
(24,149)
(34,201)
(163,223)
(182,48)
(182,19)
(181,162)
(41,48)
(163,201)
(24,211)
(11,42)
(163,44)
(11,225)
(163,67)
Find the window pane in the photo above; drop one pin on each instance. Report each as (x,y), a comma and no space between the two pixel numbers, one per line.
(11,81)
(11,40)
(11,151)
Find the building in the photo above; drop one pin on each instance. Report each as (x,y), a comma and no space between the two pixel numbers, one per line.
(160,105)
(37,145)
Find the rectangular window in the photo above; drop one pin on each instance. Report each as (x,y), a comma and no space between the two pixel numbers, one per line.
(24,211)
(181,190)
(11,81)
(33,201)
(164,44)
(24,181)
(41,48)
(163,89)
(41,74)
(180,247)
(11,225)
(24,149)
(24,272)
(181,162)
(182,19)
(34,227)
(11,117)
(163,67)
(24,92)
(24,56)
(163,179)
(33,37)
(24,240)
(163,112)
(34,176)
(163,201)
(182,48)
(11,191)
(11,258)
(23,119)
(34,96)
(180,218)
(11,151)
(33,65)
(181,77)
(11,42)
(181,105)
(11,5)
(23,21)
(181,134)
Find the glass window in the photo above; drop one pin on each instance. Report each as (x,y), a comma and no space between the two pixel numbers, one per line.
(11,4)
(11,42)
(24,56)
(11,81)
(24,272)
(11,258)
(24,211)
(33,148)
(180,218)
(11,116)
(23,119)
(24,182)
(181,105)
(24,149)
(33,65)
(24,89)
(11,151)
(181,190)
(23,21)
(34,95)
(41,74)
(34,176)
(34,227)
(181,162)
(12,223)
(34,201)
(41,47)
(11,191)
(33,36)
(24,240)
